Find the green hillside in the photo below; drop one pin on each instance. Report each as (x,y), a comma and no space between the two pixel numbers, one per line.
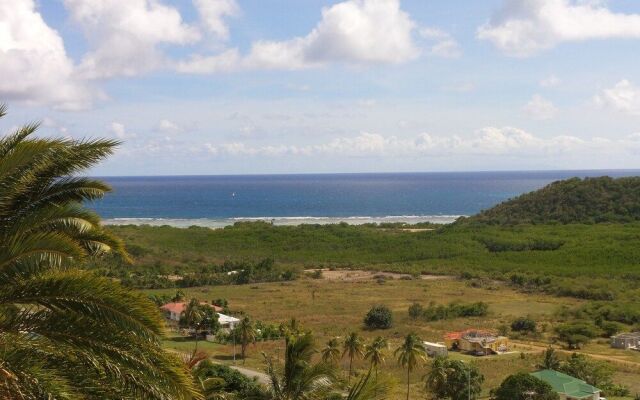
(586,201)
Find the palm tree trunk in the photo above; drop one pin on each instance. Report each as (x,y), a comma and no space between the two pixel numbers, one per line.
(350,362)
(408,371)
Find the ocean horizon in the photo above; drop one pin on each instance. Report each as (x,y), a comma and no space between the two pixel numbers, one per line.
(293,199)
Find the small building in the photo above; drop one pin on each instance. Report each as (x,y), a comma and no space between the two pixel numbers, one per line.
(173,311)
(629,340)
(227,322)
(568,387)
(435,349)
(477,341)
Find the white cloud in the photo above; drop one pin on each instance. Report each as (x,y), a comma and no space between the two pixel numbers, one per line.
(524,27)
(443,44)
(540,108)
(34,66)
(118,130)
(169,127)
(550,81)
(352,32)
(623,97)
(124,36)
(489,141)
(212,14)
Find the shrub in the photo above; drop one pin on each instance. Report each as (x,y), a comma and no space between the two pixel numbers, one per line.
(379,317)
(415,311)
(521,385)
(576,334)
(524,324)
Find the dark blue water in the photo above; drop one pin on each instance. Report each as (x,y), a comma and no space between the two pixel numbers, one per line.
(328,195)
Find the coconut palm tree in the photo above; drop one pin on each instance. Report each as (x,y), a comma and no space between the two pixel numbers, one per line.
(436,380)
(191,318)
(331,352)
(300,379)
(410,352)
(367,389)
(375,353)
(246,334)
(352,348)
(550,359)
(64,332)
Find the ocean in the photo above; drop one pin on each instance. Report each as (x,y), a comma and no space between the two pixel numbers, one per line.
(217,201)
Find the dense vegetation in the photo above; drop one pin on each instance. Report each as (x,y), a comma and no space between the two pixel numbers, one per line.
(589,200)
(595,262)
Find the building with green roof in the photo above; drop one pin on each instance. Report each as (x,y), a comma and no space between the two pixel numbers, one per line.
(568,387)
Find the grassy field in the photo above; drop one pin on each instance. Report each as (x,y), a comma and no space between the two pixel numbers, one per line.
(334,307)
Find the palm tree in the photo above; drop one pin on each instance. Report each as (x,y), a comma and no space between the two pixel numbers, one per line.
(191,318)
(64,332)
(299,379)
(246,334)
(437,378)
(550,359)
(367,389)
(331,352)
(410,352)
(375,353)
(353,348)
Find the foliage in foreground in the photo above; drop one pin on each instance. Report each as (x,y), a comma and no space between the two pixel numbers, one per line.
(66,333)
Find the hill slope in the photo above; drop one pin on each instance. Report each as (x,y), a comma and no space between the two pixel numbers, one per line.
(589,200)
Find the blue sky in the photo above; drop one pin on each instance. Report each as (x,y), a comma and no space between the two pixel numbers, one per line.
(239,86)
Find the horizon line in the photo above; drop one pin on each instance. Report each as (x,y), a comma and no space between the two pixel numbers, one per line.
(373,173)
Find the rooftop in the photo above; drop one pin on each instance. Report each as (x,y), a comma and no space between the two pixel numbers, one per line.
(178,307)
(566,384)
(628,335)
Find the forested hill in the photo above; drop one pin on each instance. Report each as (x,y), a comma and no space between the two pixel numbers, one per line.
(589,200)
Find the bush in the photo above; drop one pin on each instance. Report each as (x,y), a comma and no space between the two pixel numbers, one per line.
(379,317)
(577,334)
(520,385)
(523,324)
(415,311)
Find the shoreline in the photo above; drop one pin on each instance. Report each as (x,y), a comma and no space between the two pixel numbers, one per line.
(281,221)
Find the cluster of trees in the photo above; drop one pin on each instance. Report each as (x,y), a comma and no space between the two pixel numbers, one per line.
(560,287)
(498,246)
(228,273)
(437,312)
(587,201)
(67,333)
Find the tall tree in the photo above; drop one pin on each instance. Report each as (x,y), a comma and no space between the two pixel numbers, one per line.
(64,332)
(353,348)
(191,318)
(436,378)
(331,352)
(246,334)
(299,378)
(550,359)
(453,379)
(375,353)
(410,352)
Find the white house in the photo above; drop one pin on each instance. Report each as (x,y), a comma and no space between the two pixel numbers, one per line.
(227,322)
(435,349)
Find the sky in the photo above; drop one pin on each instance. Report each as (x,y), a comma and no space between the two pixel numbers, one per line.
(199,87)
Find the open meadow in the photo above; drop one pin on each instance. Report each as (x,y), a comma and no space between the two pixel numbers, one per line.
(334,305)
